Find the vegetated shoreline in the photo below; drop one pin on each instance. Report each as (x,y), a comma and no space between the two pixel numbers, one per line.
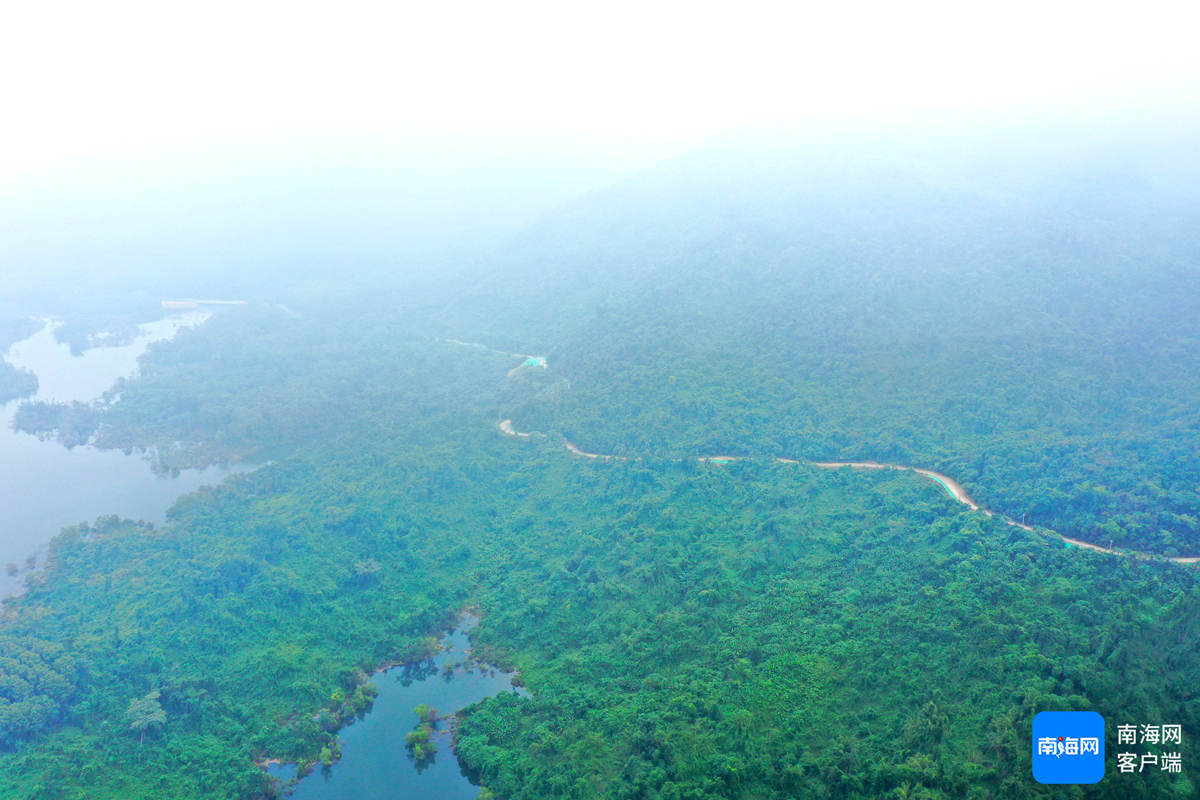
(464,621)
(952,487)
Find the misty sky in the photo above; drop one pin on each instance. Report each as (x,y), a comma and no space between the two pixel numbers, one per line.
(156,139)
(134,77)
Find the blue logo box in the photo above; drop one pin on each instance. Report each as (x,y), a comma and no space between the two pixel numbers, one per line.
(1068,747)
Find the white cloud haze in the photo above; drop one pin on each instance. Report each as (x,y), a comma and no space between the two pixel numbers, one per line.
(130,77)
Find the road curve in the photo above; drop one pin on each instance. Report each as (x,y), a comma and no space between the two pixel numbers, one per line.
(952,487)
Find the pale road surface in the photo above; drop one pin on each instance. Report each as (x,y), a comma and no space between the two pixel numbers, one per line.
(952,487)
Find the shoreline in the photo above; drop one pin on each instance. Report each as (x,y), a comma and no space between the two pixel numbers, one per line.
(464,621)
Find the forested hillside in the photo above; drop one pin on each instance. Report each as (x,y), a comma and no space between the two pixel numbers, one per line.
(756,630)
(997,319)
(685,630)
(986,314)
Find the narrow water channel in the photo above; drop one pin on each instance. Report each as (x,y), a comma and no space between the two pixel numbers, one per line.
(376,764)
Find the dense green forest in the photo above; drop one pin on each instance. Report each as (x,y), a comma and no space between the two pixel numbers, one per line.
(685,630)
(1041,346)
(1023,333)
(755,630)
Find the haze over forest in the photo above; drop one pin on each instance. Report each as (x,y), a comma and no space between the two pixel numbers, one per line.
(751,455)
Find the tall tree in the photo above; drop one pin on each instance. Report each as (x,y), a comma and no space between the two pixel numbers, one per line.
(145,713)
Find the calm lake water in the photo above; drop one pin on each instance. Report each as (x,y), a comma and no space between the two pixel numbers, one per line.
(43,485)
(375,763)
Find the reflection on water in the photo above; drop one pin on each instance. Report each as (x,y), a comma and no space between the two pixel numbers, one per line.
(375,763)
(43,485)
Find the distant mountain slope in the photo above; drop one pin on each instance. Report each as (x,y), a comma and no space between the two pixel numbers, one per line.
(1022,316)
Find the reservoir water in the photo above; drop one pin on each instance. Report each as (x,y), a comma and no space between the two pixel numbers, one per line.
(375,762)
(45,486)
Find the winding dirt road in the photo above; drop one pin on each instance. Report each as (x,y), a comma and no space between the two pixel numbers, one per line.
(952,487)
